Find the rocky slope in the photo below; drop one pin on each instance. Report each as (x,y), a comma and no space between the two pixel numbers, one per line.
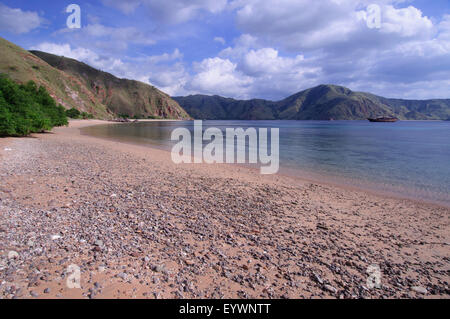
(323,102)
(121,96)
(68,90)
(75,84)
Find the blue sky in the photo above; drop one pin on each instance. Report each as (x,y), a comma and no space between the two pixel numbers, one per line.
(249,49)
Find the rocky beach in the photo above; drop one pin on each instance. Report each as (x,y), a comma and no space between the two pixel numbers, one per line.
(138,226)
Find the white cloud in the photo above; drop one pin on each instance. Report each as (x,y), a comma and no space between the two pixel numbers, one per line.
(220,40)
(266,61)
(444,29)
(242,72)
(81,54)
(128,34)
(219,76)
(283,48)
(157,70)
(126,7)
(306,25)
(406,22)
(242,44)
(106,38)
(170,12)
(18,21)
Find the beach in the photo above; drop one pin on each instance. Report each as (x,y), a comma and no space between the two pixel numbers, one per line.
(139,226)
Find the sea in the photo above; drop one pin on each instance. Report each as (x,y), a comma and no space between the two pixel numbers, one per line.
(409,159)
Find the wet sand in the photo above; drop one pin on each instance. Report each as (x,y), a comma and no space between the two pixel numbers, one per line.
(139,226)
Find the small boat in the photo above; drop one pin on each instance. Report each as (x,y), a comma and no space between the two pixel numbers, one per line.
(384,119)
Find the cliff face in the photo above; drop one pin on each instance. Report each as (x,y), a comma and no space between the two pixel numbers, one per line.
(120,96)
(323,102)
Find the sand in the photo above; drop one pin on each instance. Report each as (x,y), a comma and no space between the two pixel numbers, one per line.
(139,226)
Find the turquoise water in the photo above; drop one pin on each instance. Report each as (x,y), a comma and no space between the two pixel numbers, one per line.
(410,158)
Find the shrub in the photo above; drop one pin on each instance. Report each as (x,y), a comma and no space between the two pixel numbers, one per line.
(26,109)
(86,115)
(73,113)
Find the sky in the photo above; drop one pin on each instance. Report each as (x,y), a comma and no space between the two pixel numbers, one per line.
(249,49)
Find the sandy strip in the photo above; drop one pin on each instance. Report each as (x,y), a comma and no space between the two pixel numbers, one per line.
(139,226)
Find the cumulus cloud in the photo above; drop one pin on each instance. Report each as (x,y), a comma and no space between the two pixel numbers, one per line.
(82,54)
(171,12)
(305,25)
(216,75)
(406,22)
(242,72)
(281,50)
(339,47)
(18,21)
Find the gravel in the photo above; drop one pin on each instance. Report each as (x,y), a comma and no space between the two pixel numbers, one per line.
(142,227)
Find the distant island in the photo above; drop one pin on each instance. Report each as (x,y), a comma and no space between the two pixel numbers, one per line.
(324,102)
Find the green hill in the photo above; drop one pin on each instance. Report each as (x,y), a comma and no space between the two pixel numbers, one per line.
(323,102)
(77,85)
(220,108)
(22,66)
(121,96)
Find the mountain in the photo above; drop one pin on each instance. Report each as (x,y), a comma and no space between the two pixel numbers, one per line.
(221,108)
(76,84)
(323,102)
(121,96)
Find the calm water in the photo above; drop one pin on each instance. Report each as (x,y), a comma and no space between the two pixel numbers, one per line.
(410,159)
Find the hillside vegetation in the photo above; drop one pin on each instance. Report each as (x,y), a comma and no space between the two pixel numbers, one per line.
(76,85)
(324,102)
(120,96)
(23,66)
(27,108)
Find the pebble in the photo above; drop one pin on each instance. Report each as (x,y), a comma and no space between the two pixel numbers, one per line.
(13,255)
(56,237)
(420,290)
(209,227)
(330,288)
(318,279)
(101,268)
(98,243)
(122,276)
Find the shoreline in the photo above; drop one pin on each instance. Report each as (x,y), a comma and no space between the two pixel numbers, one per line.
(302,176)
(139,226)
